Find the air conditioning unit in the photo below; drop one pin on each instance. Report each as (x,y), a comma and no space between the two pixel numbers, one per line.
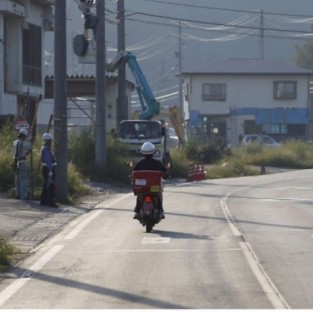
(11,7)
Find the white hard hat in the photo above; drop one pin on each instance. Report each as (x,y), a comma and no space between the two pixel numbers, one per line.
(46,136)
(23,131)
(147,148)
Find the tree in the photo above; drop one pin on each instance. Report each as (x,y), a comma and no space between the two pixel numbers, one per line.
(304,54)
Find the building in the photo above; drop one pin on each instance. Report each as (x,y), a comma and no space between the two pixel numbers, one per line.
(233,97)
(23,94)
(22,27)
(81,102)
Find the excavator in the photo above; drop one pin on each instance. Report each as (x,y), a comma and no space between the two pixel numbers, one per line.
(144,128)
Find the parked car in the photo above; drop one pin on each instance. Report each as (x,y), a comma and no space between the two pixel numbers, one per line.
(173,140)
(265,140)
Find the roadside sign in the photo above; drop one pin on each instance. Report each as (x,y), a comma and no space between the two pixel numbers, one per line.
(21,124)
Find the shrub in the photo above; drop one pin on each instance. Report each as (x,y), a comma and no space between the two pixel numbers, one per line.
(81,151)
(293,154)
(7,251)
(180,163)
(76,187)
(82,155)
(208,153)
(231,168)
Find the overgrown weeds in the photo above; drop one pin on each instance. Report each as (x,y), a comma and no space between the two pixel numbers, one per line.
(7,253)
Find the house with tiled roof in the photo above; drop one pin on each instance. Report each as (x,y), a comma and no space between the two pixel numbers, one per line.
(234,97)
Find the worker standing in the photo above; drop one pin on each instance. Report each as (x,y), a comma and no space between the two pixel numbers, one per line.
(48,172)
(21,149)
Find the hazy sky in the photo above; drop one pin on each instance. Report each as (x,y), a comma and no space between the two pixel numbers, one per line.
(210,30)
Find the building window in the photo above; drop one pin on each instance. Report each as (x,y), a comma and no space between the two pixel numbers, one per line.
(285,90)
(275,128)
(32,55)
(214,92)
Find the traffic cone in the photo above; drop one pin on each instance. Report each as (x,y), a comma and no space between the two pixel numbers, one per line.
(190,173)
(197,172)
(202,172)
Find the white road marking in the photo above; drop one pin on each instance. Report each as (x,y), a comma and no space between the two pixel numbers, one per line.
(228,217)
(95,214)
(168,250)
(266,283)
(114,201)
(292,187)
(147,240)
(285,200)
(7,293)
(82,225)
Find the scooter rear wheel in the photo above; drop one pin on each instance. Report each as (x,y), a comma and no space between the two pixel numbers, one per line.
(149,228)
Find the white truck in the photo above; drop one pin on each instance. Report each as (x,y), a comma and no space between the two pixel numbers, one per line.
(135,132)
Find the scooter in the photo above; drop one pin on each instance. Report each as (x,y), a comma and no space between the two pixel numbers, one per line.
(147,186)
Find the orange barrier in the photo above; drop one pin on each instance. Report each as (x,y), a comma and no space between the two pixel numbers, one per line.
(196,172)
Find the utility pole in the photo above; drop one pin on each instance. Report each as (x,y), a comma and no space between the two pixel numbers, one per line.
(121,101)
(180,56)
(60,100)
(100,87)
(261,39)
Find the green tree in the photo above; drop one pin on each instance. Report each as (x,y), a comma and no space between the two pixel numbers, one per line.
(304,53)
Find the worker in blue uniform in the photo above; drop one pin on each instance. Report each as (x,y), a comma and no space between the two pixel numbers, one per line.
(48,172)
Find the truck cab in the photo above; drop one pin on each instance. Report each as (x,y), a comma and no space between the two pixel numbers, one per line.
(134,133)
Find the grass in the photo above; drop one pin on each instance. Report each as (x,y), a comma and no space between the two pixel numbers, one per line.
(291,155)
(7,253)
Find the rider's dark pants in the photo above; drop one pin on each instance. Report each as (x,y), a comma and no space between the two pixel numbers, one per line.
(48,188)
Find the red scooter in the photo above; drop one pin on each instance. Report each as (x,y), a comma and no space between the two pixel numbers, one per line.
(147,186)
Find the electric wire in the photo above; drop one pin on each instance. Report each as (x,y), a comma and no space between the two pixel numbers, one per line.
(229,10)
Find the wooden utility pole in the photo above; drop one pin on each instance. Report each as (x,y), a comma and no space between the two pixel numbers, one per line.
(180,68)
(60,100)
(100,87)
(121,101)
(261,39)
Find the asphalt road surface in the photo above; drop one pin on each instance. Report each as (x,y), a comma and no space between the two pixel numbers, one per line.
(241,243)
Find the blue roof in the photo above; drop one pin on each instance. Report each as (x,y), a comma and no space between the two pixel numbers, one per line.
(249,66)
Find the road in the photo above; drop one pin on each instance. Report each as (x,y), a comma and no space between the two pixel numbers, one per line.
(240,243)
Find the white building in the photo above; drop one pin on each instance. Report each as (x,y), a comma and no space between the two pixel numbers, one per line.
(23,24)
(244,96)
(22,27)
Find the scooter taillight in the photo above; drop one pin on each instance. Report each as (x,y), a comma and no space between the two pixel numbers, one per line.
(147,199)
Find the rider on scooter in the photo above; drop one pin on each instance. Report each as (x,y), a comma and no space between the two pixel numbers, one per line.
(149,163)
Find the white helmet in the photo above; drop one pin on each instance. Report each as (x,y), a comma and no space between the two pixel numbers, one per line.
(46,136)
(23,131)
(147,148)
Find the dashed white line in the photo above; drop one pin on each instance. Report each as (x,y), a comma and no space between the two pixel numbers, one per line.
(147,240)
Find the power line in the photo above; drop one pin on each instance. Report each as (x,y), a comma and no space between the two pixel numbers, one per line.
(224,9)
(217,24)
(221,31)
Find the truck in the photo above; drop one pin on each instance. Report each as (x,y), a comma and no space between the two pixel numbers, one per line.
(134,133)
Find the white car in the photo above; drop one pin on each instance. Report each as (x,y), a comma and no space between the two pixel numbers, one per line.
(173,140)
(265,140)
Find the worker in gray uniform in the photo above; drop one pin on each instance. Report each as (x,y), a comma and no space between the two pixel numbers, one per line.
(21,149)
